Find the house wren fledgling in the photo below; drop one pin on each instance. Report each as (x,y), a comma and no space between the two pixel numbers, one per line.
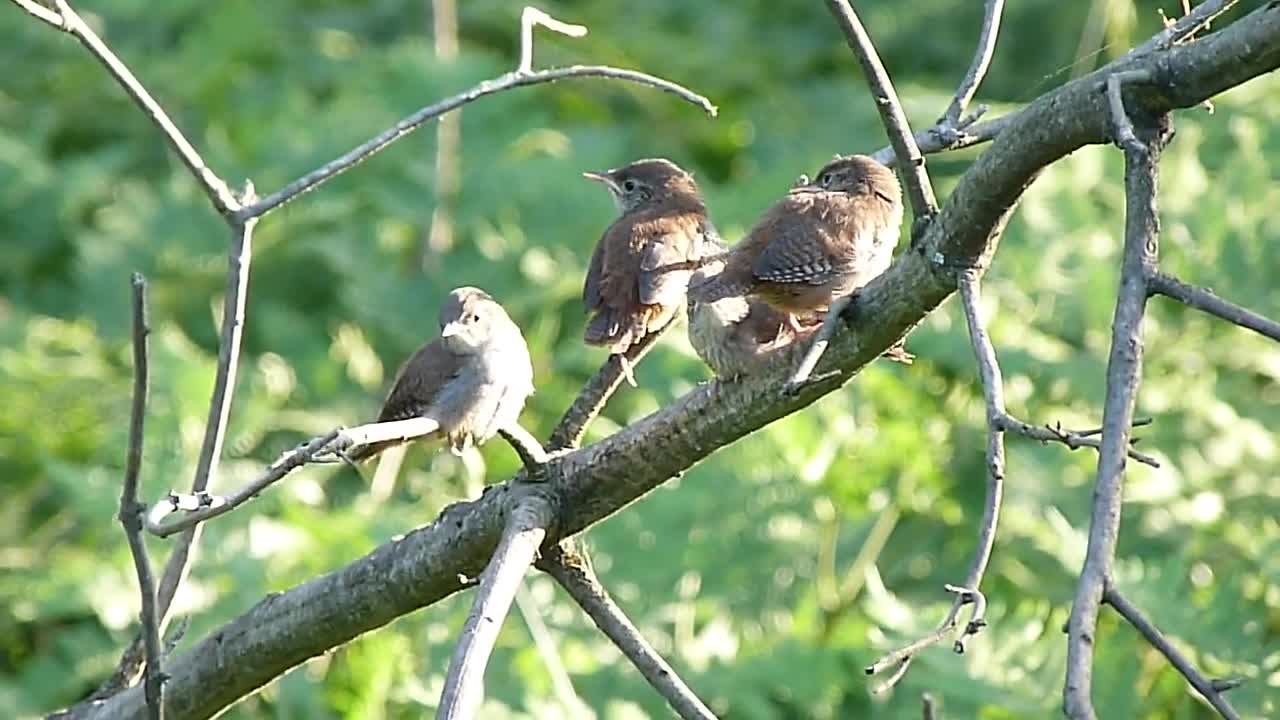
(735,334)
(824,239)
(473,379)
(641,266)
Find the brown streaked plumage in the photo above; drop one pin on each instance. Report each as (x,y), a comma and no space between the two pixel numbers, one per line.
(473,379)
(824,239)
(640,268)
(735,334)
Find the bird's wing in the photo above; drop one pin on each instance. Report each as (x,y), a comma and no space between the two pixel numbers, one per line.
(591,288)
(668,259)
(419,381)
(800,251)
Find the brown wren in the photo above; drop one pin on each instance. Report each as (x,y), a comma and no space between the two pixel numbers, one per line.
(473,379)
(640,268)
(736,334)
(826,238)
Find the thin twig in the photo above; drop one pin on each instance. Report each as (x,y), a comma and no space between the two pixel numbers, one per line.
(1072,439)
(927,711)
(978,67)
(993,394)
(596,393)
(1203,299)
(531,452)
(131,510)
(1122,126)
(203,506)
(920,191)
(1187,25)
(233,304)
(1203,685)
(522,76)
(545,644)
(66,19)
(464,684)
(1124,372)
(572,569)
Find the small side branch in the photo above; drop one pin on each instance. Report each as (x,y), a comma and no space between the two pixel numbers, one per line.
(202,506)
(464,684)
(1124,373)
(978,67)
(64,18)
(522,76)
(596,393)
(993,393)
(572,569)
(1186,26)
(131,510)
(1208,689)
(1073,439)
(1202,299)
(531,452)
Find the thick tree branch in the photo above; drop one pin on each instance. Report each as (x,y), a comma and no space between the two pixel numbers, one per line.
(572,569)
(522,76)
(1206,687)
(1124,374)
(993,393)
(464,684)
(66,19)
(1202,299)
(590,484)
(131,510)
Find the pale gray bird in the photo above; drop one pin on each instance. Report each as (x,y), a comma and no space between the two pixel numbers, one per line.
(473,379)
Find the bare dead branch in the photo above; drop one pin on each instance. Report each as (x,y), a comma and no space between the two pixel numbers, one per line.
(1072,439)
(596,393)
(572,569)
(66,19)
(920,191)
(978,67)
(131,510)
(1205,300)
(233,304)
(1124,373)
(1206,687)
(464,684)
(993,393)
(532,455)
(522,76)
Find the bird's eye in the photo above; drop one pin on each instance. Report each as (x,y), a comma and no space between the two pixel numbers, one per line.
(825,179)
(629,185)
(473,318)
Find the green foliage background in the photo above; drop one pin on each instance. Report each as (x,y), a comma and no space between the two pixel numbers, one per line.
(743,572)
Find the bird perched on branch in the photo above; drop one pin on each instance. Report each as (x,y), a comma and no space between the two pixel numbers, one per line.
(641,266)
(826,238)
(735,334)
(473,380)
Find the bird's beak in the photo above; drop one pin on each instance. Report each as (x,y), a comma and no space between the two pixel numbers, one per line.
(450,329)
(603,177)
